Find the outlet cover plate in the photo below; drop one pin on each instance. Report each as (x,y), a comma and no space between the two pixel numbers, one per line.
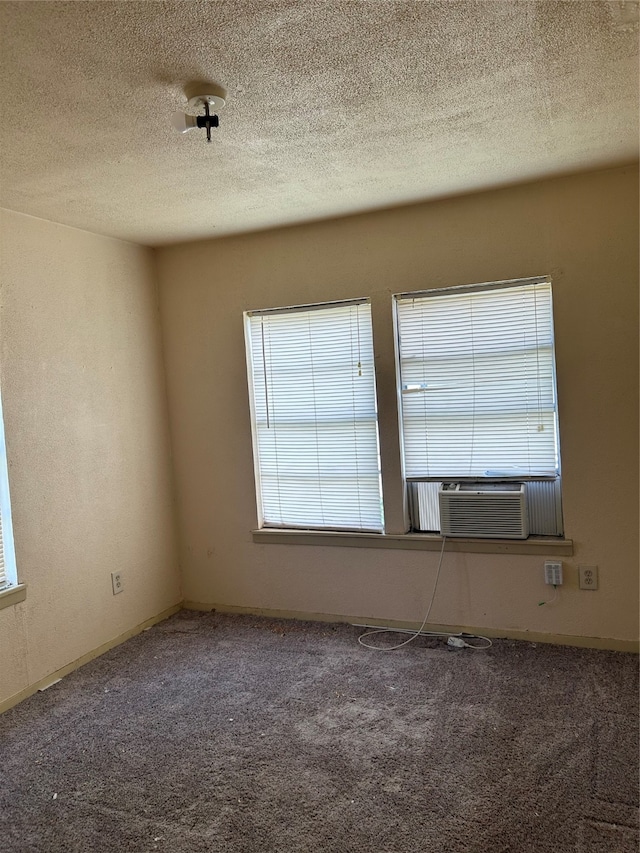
(588,577)
(116,582)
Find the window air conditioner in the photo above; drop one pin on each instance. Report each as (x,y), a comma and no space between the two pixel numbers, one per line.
(496,510)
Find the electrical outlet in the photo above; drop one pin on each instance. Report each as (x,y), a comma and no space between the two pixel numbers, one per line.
(553,572)
(116,582)
(588,577)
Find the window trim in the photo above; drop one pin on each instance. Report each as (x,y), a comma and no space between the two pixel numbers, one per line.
(11,595)
(475,288)
(539,545)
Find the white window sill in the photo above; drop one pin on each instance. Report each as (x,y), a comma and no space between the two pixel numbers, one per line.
(546,545)
(12,595)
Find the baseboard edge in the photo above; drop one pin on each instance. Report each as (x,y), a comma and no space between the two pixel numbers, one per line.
(89,656)
(610,643)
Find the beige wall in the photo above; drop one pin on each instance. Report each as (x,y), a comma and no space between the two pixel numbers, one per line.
(81,372)
(87,441)
(581,230)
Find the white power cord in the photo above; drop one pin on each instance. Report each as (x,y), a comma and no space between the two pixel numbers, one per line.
(454,640)
(391,630)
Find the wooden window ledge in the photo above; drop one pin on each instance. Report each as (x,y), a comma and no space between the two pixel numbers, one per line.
(542,545)
(12,595)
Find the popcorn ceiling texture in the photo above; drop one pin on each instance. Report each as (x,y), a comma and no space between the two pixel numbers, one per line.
(333,107)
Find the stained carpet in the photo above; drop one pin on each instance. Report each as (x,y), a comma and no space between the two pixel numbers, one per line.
(237,734)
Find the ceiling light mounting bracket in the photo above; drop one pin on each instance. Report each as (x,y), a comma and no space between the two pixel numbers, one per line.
(198,98)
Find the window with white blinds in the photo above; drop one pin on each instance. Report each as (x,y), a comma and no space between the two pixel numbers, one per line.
(7,559)
(314,416)
(478,381)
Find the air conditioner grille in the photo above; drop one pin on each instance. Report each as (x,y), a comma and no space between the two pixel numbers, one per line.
(481,513)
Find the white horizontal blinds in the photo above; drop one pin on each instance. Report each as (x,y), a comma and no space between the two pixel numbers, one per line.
(3,571)
(314,417)
(7,556)
(478,387)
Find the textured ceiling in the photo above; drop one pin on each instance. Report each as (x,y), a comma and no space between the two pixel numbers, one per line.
(333,107)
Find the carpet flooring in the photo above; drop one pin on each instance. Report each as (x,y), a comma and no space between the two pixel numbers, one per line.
(238,734)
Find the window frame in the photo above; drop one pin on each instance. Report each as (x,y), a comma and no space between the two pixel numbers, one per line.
(248,316)
(399,534)
(407,480)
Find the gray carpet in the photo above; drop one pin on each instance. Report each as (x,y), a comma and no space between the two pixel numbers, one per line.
(228,733)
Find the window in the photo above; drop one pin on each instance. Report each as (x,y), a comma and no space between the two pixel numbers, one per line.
(7,559)
(314,416)
(478,393)
(478,401)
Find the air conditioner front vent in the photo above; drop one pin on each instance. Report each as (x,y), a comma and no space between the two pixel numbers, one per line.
(489,510)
